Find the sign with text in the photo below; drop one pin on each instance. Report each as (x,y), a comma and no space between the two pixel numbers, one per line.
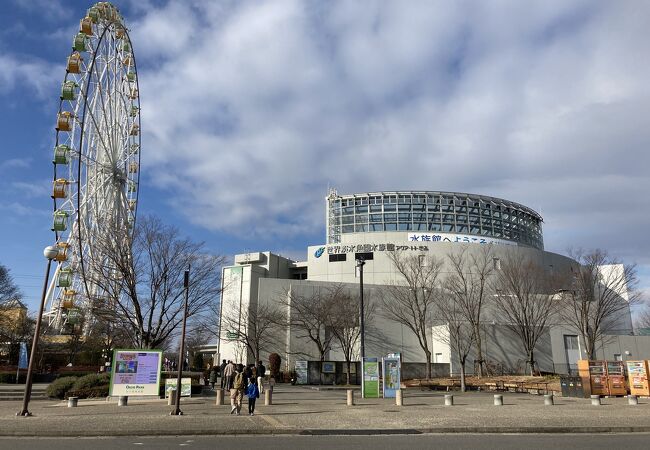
(370,380)
(135,372)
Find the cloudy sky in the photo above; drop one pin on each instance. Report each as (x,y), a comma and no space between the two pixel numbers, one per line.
(252,109)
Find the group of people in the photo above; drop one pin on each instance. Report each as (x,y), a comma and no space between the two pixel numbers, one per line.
(240,380)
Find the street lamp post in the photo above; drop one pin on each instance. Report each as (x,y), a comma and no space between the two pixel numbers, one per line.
(360,264)
(181,351)
(50,253)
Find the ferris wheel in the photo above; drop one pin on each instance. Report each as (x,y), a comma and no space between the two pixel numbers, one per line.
(96,159)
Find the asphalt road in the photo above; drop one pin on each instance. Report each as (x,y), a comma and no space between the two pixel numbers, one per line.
(381,442)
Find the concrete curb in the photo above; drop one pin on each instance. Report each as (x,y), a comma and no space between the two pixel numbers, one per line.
(344,432)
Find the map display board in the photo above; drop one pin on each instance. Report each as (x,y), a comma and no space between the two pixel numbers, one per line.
(392,374)
(186,386)
(301,372)
(136,372)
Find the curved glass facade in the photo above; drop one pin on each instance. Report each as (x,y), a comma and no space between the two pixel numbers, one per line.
(432,211)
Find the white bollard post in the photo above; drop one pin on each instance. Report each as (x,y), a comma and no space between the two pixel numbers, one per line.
(399,400)
(123,400)
(548,400)
(350,399)
(449,400)
(268,397)
(595,400)
(171,400)
(72,402)
(219,401)
(498,400)
(632,400)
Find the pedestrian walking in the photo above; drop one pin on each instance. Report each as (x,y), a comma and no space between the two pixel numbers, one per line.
(261,371)
(213,377)
(253,393)
(222,367)
(237,391)
(229,372)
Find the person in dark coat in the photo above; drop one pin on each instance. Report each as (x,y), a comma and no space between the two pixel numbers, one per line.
(261,371)
(221,375)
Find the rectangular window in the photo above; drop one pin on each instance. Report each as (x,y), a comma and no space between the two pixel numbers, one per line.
(390,217)
(422,260)
(390,208)
(375,208)
(405,227)
(497,263)
(376,227)
(338,257)
(434,227)
(360,228)
(391,227)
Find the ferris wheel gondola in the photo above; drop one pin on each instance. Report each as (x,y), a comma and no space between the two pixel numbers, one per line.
(96,159)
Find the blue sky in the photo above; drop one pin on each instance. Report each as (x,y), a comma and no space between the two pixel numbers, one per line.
(250,110)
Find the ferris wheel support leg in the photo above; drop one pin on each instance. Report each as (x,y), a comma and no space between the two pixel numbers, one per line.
(39,318)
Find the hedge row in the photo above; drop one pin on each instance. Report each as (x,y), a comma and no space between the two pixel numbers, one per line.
(87,386)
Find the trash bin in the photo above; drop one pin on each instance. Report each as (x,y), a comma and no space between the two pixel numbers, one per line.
(564,385)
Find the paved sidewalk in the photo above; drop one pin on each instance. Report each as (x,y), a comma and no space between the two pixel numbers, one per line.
(298,410)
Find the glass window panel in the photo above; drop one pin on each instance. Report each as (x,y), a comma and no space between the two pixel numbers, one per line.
(348,210)
(404,217)
(377,227)
(434,227)
(405,226)
(474,230)
(474,219)
(362,209)
(375,217)
(347,219)
(461,218)
(435,207)
(375,208)
(421,217)
(420,207)
(360,228)
(348,228)
(448,217)
(448,227)
(390,208)
(404,198)
(447,208)
(362,218)
(404,207)
(391,226)
(390,217)
(461,228)
(420,226)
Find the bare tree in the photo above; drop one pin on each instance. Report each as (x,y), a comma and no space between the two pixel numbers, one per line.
(526,299)
(310,316)
(599,293)
(411,302)
(8,289)
(345,326)
(469,284)
(456,330)
(643,319)
(149,270)
(254,327)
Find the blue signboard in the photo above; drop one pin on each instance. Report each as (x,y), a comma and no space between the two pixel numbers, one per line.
(22,359)
(391,369)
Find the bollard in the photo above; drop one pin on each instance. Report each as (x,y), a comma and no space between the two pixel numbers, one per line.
(171,400)
(268,397)
(595,400)
(449,400)
(632,400)
(72,402)
(548,399)
(219,401)
(498,400)
(122,400)
(399,400)
(350,397)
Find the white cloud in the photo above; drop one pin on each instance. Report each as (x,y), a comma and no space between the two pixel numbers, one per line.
(251,109)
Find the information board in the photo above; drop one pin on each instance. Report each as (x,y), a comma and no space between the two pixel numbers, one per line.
(186,386)
(370,380)
(135,372)
(301,372)
(392,376)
